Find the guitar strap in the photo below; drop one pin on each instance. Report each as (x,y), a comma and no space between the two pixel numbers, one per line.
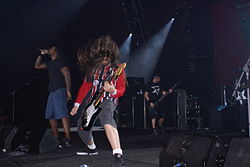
(108,73)
(101,79)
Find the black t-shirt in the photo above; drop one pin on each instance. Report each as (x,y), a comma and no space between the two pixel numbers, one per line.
(154,90)
(56,78)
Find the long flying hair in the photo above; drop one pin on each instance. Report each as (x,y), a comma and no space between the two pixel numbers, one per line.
(91,56)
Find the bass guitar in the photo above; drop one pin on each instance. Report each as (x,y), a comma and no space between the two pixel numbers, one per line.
(159,101)
(90,112)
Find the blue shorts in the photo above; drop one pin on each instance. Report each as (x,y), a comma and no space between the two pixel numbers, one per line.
(57,105)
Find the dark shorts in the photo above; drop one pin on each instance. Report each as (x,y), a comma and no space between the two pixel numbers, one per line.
(156,113)
(105,117)
(57,104)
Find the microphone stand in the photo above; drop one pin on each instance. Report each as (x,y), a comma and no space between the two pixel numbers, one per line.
(248,97)
(13,93)
(245,70)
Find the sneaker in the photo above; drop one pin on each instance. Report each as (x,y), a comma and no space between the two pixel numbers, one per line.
(65,143)
(155,132)
(87,151)
(119,161)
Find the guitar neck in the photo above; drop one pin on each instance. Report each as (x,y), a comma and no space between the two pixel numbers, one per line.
(168,92)
(99,96)
(162,98)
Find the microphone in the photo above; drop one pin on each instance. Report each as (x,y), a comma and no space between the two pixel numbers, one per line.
(43,51)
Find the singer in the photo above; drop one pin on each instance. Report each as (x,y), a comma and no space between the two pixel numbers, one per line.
(59,92)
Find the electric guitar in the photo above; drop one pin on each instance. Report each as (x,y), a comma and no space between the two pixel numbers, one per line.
(158,102)
(92,110)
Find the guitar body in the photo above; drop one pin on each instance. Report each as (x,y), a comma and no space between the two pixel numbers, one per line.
(153,108)
(158,102)
(89,115)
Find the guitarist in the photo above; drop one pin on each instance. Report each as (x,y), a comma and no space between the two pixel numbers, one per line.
(99,60)
(153,92)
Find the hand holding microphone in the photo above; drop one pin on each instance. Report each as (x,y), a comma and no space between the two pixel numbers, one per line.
(43,51)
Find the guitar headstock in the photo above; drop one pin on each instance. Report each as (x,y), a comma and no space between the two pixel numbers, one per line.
(120,68)
(176,84)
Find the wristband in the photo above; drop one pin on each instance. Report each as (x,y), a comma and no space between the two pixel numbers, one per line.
(76,105)
(114,93)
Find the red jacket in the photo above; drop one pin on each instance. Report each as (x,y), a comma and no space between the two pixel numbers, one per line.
(119,83)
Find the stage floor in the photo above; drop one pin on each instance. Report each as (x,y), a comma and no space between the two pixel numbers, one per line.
(140,147)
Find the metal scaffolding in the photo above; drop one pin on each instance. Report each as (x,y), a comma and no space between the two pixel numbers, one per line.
(134,16)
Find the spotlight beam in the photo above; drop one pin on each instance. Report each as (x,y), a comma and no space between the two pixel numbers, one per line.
(146,58)
(125,49)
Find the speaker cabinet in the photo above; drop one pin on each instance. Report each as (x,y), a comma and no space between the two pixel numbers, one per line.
(181,109)
(224,119)
(238,153)
(36,140)
(139,119)
(47,143)
(216,154)
(131,108)
(125,117)
(184,150)
(9,139)
(7,133)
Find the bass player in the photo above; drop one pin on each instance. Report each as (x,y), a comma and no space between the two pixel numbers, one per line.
(153,92)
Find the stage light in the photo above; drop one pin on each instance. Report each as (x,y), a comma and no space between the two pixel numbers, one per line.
(125,49)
